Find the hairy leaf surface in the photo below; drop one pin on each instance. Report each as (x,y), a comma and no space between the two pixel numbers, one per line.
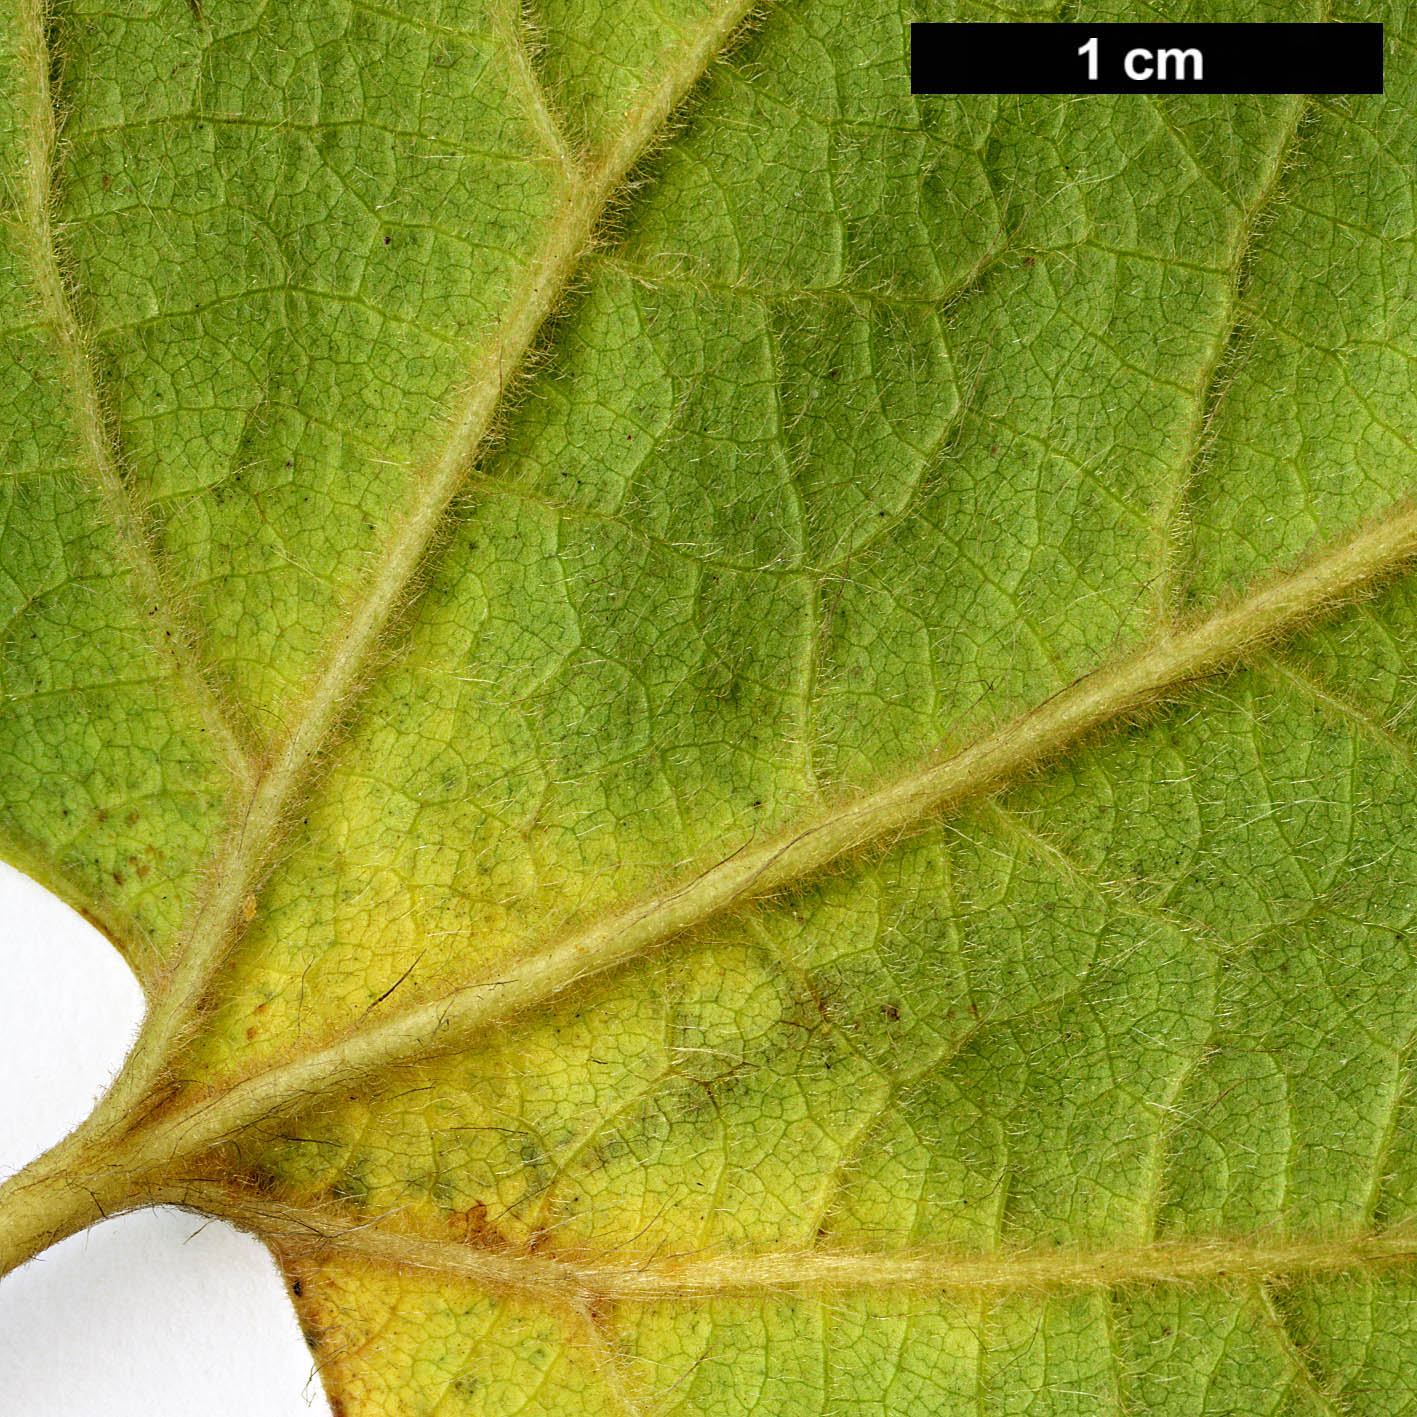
(753,735)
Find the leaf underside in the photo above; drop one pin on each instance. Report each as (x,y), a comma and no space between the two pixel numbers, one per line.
(472,469)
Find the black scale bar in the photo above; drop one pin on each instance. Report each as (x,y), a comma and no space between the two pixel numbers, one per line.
(1114,58)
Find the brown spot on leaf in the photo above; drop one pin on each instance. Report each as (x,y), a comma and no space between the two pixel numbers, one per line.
(473,1227)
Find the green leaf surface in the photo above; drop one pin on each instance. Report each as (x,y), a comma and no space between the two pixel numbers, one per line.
(753,735)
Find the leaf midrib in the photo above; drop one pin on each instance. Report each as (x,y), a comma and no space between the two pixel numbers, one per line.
(575,1277)
(1132,686)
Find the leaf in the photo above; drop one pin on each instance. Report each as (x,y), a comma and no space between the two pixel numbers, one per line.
(752,735)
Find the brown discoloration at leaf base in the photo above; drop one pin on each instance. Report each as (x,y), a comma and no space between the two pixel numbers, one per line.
(301,1283)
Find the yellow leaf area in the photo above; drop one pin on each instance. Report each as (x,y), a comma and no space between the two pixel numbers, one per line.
(753,735)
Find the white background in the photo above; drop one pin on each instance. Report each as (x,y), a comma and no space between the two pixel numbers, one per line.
(154,1314)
